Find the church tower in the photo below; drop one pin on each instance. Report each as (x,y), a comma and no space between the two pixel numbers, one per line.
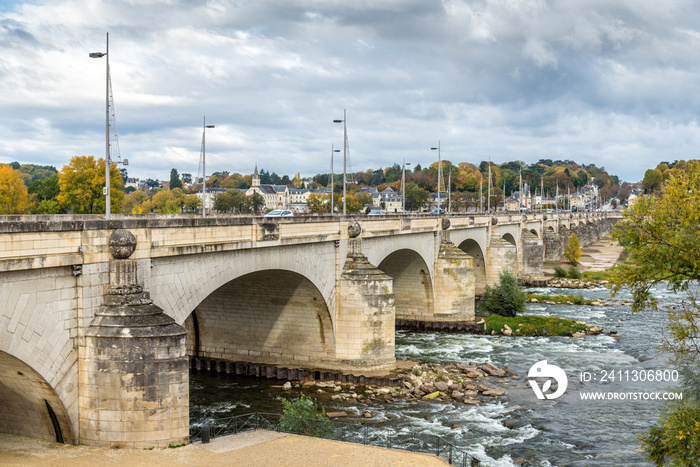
(256,177)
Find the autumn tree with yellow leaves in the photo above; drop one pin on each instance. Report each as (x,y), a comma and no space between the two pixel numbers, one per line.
(81,183)
(14,198)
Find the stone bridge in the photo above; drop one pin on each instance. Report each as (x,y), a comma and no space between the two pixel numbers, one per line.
(86,356)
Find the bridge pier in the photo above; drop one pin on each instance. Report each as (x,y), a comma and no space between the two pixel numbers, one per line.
(501,255)
(365,306)
(530,255)
(454,281)
(553,246)
(134,375)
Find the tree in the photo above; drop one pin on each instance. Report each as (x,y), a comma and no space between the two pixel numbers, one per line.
(572,251)
(48,206)
(175,181)
(46,188)
(255,202)
(192,203)
(14,198)
(137,202)
(318,203)
(416,197)
(223,202)
(652,180)
(506,298)
(168,202)
(662,241)
(81,183)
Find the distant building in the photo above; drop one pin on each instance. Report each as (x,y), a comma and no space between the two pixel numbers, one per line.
(208,198)
(275,196)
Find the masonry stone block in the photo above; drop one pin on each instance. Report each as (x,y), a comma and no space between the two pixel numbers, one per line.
(530,255)
(454,285)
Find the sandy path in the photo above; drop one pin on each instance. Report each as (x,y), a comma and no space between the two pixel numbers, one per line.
(255,448)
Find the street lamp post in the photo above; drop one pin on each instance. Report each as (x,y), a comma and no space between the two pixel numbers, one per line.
(345,155)
(403,185)
(204,166)
(106,190)
(332,175)
(439,201)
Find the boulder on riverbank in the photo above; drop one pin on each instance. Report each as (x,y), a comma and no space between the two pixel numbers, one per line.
(469,383)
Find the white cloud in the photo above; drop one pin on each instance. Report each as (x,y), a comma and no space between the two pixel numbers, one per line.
(605,81)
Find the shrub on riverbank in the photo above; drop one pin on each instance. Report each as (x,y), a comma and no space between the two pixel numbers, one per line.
(560,299)
(596,275)
(532,325)
(573,273)
(559,272)
(303,416)
(505,299)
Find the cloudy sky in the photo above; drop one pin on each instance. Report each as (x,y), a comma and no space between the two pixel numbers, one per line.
(610,82)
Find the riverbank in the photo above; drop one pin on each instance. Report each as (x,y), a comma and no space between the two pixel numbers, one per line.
(246,449)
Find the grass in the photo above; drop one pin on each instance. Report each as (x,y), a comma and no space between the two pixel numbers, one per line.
(573,273)
(561,299)
(597,275)
(533,325)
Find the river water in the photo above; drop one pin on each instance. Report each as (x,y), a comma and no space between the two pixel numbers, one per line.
(519,427)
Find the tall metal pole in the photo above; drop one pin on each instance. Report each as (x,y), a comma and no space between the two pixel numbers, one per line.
(204,167)
(481,195)
(108,193)
(403,186)
(520,189)
(449,191)
(332,177)
(439,175)
(345,155)
(488,196)
(345,159)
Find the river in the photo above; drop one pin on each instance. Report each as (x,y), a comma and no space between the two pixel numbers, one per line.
(519,427)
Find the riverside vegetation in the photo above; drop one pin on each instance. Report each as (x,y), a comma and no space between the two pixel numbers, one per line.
(504,301)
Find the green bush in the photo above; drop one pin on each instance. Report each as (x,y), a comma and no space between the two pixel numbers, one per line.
(676,438)
(573,273)
(304,416)
(505,299)
(579,300)
(559,272)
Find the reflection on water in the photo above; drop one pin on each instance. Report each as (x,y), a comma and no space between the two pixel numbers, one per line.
(566,431)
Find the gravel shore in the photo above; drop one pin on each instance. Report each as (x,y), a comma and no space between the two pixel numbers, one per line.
(253,448)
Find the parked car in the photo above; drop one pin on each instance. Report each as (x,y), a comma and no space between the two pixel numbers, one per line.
(437,211)
(280,213)
(377,212)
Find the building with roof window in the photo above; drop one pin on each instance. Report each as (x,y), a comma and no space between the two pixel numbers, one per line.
(275,196)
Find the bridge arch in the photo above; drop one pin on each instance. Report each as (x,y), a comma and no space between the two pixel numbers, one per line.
(271,316)
(508,237)
(412,284)
(473,249)
(30,406)
(179,284)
